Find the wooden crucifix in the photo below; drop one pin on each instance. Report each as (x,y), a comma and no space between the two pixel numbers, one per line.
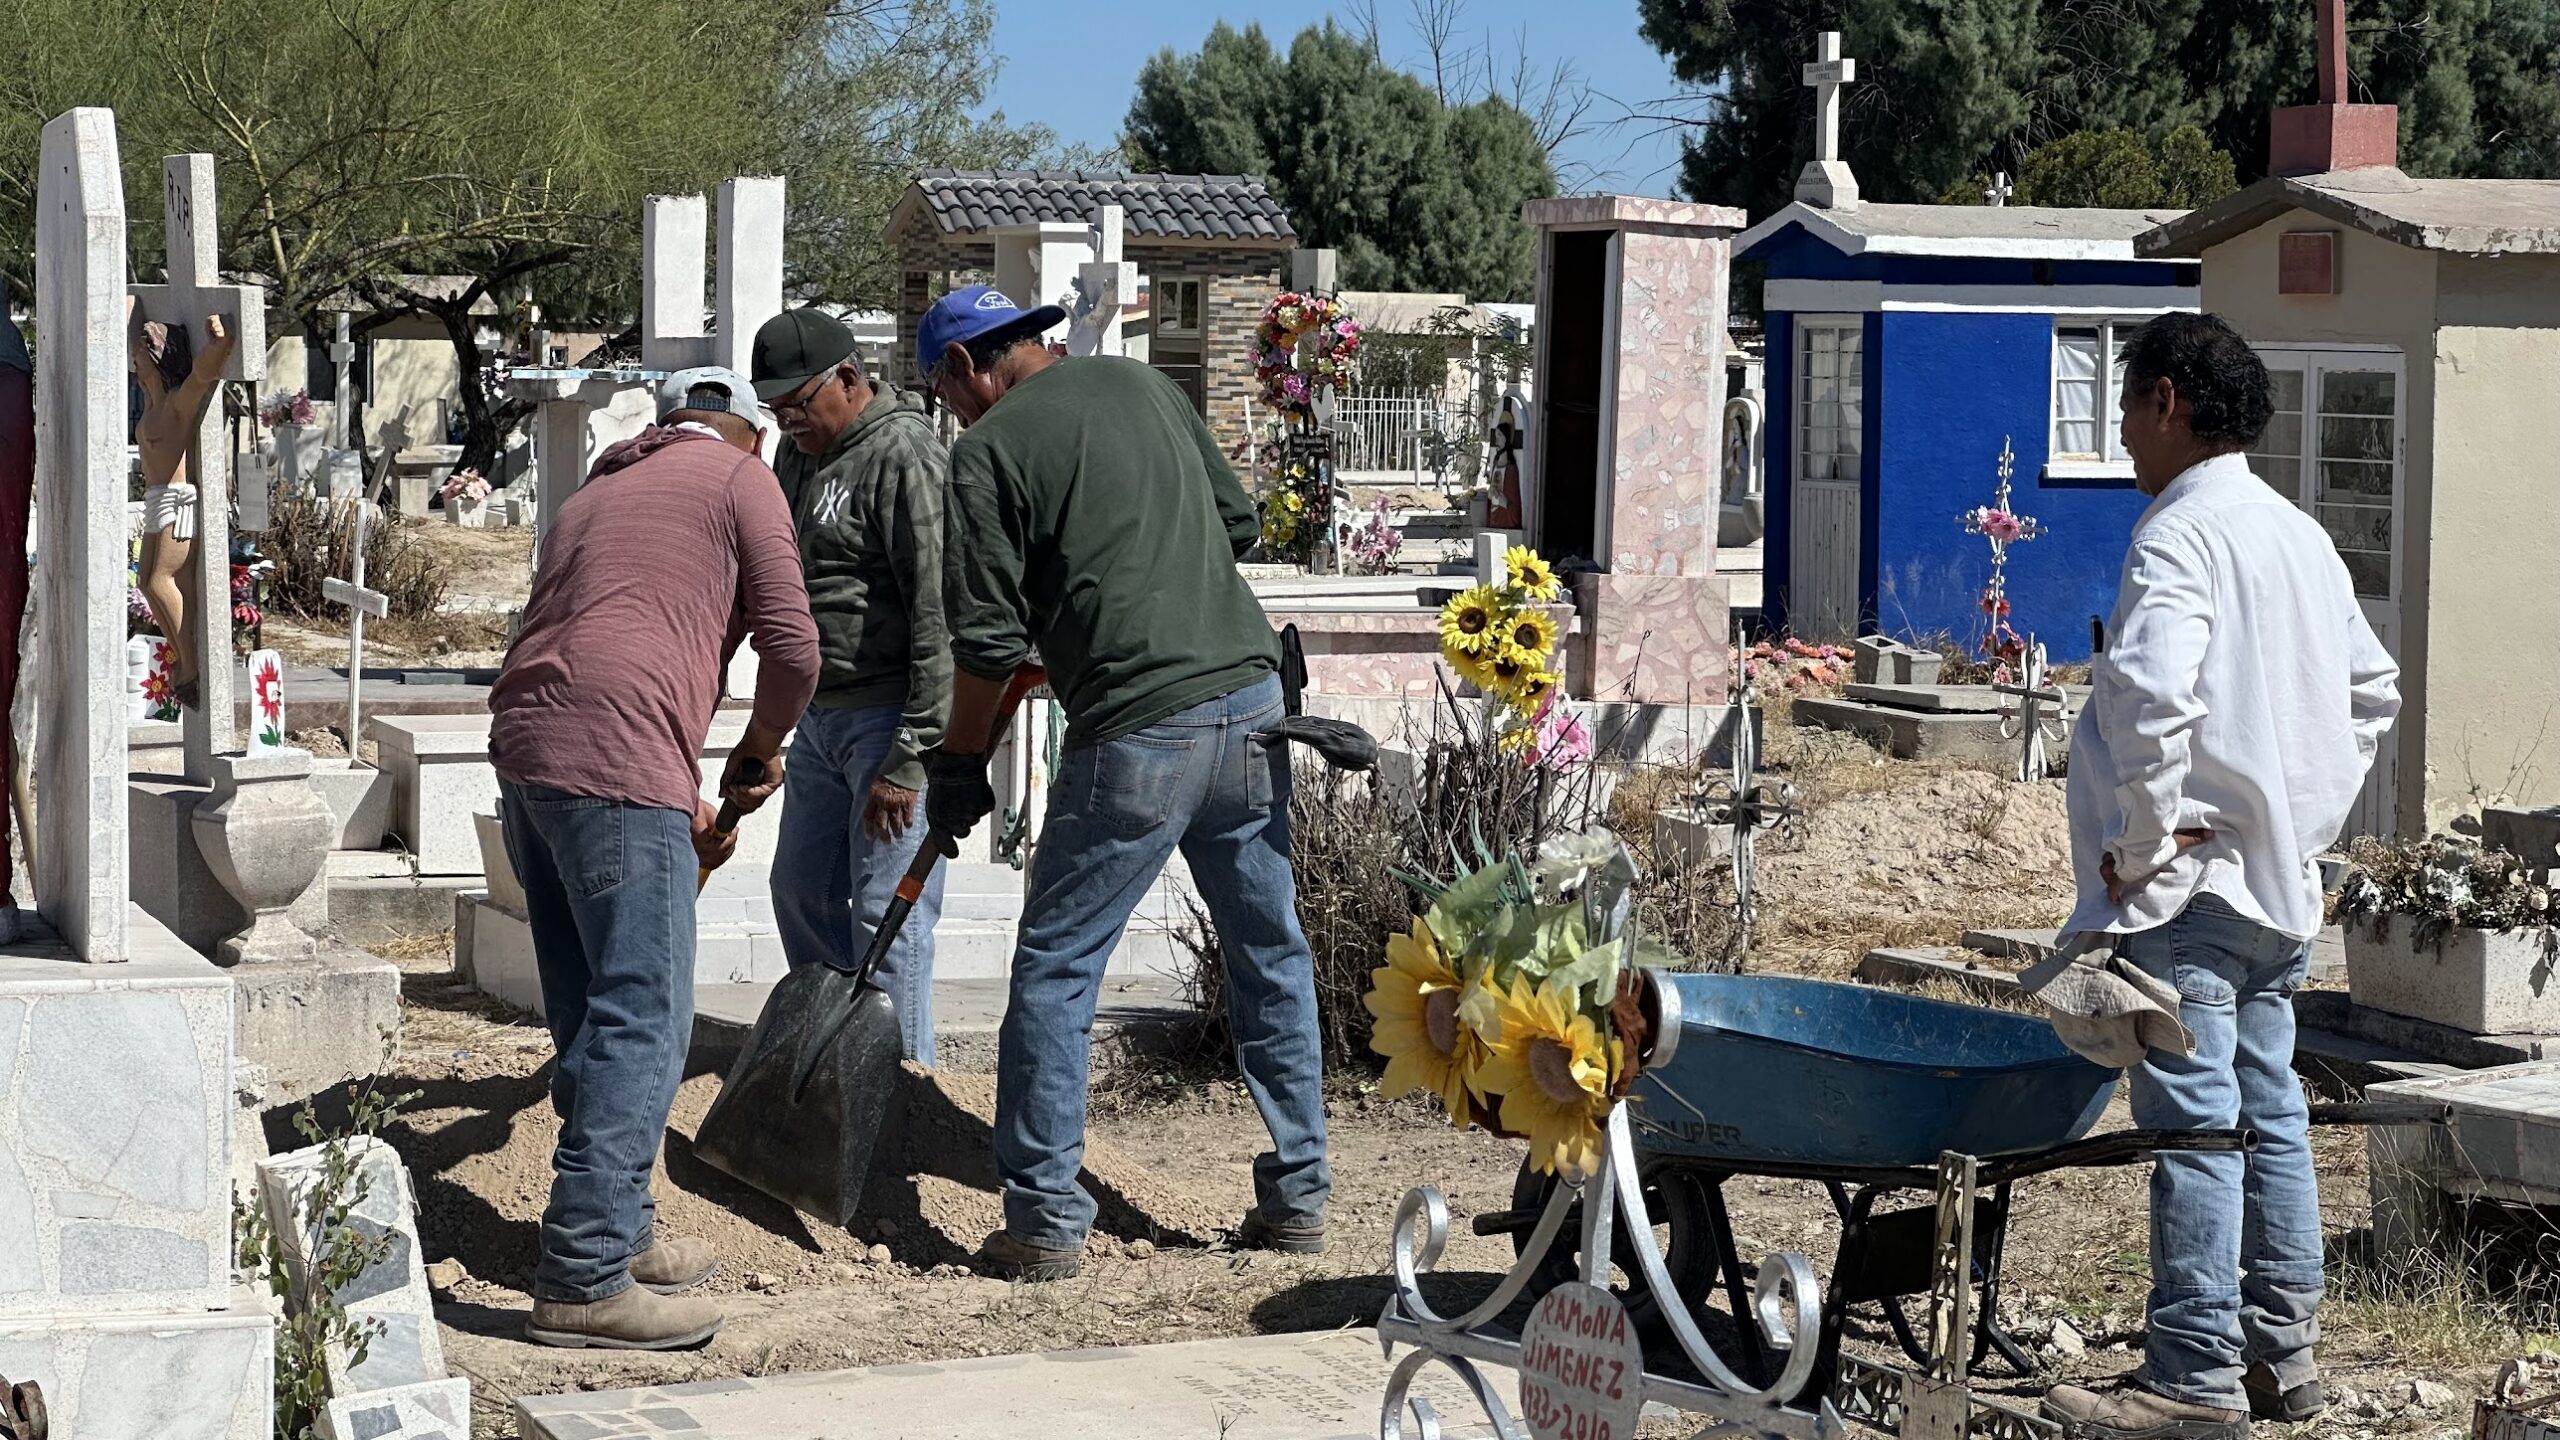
(193,296)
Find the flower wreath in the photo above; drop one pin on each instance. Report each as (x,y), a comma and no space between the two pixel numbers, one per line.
(1289,319)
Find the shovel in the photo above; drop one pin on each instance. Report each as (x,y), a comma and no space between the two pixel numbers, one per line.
(802,1109)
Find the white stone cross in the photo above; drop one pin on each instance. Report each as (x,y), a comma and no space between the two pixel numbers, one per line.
(1104,287)
(360,602)
(1826,181)
(342,415)
(195,291)
(746,287)
(2000,191)
(2030,724)
(82,857)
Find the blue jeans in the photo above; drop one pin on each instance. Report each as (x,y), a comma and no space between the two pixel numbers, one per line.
(2235,1239)
(1198,781)
(832,883)
(608,888)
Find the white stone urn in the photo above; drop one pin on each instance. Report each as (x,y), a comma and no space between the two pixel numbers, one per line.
(265,836)
(2480,982)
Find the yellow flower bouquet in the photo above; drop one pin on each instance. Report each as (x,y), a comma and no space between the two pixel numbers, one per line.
(1502,639)
(1520,999)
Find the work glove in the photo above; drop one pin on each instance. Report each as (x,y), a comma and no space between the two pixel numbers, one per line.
(956,793)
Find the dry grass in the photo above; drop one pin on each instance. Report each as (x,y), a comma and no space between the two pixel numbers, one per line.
(427,945)
(311,541)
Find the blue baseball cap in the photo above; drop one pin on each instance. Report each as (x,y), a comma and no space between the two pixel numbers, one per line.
(968,314)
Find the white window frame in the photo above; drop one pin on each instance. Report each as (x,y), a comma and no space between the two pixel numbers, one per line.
(2107,462)
(1800,399)
(1169,309)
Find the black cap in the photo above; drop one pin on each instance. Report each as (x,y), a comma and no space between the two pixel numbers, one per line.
(795,347)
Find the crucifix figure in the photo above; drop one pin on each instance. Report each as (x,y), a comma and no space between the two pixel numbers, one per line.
(2000,191)
(1826,182)
(176,390)
(194,449)
(360,602)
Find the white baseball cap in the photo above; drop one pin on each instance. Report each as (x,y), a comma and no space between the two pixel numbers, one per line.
(713,388)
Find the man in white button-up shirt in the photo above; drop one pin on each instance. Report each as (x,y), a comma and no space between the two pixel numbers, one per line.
(2231,720)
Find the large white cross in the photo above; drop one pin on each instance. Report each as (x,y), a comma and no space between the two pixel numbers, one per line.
(1105,286)
(81,856)
(194,291)
(360,602)
(2000,191)
(1826,181)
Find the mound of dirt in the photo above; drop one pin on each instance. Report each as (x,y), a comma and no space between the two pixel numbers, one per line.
(480,1151)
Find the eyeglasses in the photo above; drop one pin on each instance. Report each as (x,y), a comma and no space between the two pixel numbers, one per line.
(798,400)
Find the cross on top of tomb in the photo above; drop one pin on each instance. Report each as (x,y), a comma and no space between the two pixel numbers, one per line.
(2000,191)
(194,292)
(2333,51)
(1826,181)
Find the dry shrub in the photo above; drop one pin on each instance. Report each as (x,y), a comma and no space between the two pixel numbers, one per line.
(311,540)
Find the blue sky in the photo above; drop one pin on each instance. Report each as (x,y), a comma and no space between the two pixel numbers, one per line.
(1074,67)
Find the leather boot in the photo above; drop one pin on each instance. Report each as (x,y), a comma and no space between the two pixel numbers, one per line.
(1007,1258)
(2270,1401)
(2131,1412)
(675,1264)
(1286,1237)
(636,1318)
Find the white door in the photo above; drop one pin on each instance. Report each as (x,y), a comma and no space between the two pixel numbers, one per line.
(2337,447)
(1826,431)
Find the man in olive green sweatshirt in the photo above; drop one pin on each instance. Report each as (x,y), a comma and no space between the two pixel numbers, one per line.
(865,473)
(1093,516)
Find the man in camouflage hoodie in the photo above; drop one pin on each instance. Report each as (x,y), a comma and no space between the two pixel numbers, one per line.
(865,474)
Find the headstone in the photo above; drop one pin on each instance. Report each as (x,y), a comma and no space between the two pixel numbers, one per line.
(1315,271)
(80,861)
(436,1410)
(390,1292)
(194,291)
(257,480)
(1826,181)
(1491,546)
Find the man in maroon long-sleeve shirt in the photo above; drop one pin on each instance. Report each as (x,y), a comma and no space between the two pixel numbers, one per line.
(678,537)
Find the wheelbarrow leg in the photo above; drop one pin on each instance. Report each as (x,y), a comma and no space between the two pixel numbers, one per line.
(1729,1265)
(1989,1333)
(1850,1259)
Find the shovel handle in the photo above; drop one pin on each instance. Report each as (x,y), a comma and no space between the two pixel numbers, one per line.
(936,845)
(726,824)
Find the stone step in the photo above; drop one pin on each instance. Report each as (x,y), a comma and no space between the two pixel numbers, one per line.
(1262,1387)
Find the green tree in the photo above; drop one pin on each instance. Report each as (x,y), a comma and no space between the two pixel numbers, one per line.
(2115,169)
(1949,88)
(506,144)
(1417,193)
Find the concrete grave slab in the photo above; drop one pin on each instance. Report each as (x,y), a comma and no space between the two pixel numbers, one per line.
(314,1023)
(435,1410)
(2501,1143)
(174,1376)
(441,777)
(1948,699)
(1961,736)
(391,1293)
(115,1128)
(1269,1387)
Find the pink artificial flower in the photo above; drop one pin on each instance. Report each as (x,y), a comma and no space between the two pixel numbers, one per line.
(1562,740)
(2001,525)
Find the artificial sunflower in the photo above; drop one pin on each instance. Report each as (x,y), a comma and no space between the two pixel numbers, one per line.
(1476,670)
(1551,1066)
(1532,631)
(1472,622)
(1529,571)
(1529,696)
(1516,670)
(1414,998)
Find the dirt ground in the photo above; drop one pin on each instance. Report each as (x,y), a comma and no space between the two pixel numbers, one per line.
(1889,853)
(487,574)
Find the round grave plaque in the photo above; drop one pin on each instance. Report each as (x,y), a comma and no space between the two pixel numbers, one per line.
(1581,1367)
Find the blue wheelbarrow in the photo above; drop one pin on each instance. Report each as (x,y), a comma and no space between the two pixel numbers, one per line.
(1861,1090)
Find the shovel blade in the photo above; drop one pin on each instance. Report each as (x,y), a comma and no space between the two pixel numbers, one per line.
(801,1111)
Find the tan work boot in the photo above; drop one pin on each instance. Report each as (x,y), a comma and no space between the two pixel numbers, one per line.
(637,1318)
(1008,1258)
(1288,1237)
(675,1264)
(2128,1411)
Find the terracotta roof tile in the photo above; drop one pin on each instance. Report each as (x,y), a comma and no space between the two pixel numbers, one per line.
(1195,207)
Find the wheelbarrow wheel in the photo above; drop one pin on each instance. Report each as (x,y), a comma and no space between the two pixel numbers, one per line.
(1683,1230)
